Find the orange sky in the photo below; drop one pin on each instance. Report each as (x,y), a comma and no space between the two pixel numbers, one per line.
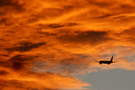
(45,43)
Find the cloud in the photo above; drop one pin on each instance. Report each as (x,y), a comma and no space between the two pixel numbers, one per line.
(18,73)
(9,3)
(44,44)
(41,81)
(26,46)
(89,37)
(2,72)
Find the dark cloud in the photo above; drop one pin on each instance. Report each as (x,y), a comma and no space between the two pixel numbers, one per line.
(6,3)
(62,25)
(2,13)
(53,25)
(130,32)
(127,8)
(101,4)
(3,84)
(3,72)
(104,16)
(5,55)
(56,25)
(14,4)
(46,33)
(89,37)
(20,58)
(21,62)
(68,7)
(6,22)
(26,46)
(17,63)
(3,20)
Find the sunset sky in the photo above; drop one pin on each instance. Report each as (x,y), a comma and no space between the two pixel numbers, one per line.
(54,44)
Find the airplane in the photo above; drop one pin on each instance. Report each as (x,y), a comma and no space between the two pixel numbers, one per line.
(107,62)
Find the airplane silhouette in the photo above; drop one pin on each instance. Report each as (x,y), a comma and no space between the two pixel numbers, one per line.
(107,62)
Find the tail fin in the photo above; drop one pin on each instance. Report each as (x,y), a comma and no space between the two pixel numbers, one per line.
(111,58)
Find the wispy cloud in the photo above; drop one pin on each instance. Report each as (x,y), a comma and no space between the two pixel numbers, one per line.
(44,43)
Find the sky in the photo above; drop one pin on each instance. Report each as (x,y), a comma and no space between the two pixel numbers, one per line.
(55,44)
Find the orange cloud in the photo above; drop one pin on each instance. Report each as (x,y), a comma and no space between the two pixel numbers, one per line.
(43,43)
(32,80)
(17,73)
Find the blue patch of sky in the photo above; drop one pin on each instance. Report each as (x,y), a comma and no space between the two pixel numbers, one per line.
(133,56)
(114,79)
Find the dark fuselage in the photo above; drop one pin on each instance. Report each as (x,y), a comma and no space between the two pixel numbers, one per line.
(105,62)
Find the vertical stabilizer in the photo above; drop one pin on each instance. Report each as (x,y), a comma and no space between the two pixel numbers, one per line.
(111,58)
